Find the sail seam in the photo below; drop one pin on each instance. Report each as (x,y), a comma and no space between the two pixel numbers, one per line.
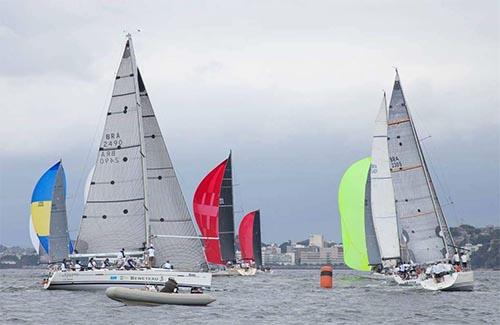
(125,94)
(398,122)
(114,201)
(160,168)
(116,148)
(403,169)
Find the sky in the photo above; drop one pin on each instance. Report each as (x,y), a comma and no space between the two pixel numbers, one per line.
(291,87)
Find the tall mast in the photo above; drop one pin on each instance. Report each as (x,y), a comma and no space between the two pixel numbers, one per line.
(141,137)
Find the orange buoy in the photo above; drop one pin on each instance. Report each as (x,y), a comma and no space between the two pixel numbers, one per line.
(326,276)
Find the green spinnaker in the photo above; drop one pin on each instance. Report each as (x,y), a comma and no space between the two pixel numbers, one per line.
(352,214)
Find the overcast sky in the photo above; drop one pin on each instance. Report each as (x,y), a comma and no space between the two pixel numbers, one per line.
(292,87)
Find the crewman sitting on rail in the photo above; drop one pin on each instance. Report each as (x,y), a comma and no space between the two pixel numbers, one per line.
(456,259)
(92,265)
(167,265)
(78,266)
(106,264)
(130,265)
(63,265)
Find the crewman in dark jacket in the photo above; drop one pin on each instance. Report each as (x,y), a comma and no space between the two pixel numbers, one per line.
(170,286)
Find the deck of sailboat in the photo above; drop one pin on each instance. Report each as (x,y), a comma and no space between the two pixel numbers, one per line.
(102,279)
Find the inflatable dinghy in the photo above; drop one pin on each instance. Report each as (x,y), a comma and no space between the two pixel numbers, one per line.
(139,297)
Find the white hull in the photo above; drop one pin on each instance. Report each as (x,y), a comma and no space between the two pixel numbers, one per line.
(137,297)
(246,271)
(410,282)
(102,279)
(458,281)
(235,271)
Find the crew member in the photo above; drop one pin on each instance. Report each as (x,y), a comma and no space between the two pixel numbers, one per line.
(167,265)
(456,259)
(78,266)
(106,264)
(171,286)
(151,256)
(63,265)
(464,260)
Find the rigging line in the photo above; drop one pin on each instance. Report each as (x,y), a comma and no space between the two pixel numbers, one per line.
(442,184)
(91,146)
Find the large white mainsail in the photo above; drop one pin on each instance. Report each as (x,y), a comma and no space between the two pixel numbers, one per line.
(423,227)
(382,193)
(115,209)
(134,197)
(171,227)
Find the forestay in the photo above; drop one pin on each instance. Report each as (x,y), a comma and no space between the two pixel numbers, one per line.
(382,193)
(422,224)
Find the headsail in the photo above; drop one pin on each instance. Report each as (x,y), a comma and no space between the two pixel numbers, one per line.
(48,215)
(115,209)
(352,204)
(172,229)
(250,239)
(382,193)
(423,227)
(206,203)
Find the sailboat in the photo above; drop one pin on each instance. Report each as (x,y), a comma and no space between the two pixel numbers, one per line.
(134,198)
(48,222)
(401,209)
(250,242)
(214,213)
(424,234)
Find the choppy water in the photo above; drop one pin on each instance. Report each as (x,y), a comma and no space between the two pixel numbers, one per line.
(284,297)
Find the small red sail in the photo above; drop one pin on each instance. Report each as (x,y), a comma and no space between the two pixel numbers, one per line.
(245,235)
(206,212)
(249,236)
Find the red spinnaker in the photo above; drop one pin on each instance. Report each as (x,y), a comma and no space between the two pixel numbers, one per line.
(206,211)
(245,235)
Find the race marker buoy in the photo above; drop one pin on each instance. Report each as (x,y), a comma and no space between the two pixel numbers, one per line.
(326,276)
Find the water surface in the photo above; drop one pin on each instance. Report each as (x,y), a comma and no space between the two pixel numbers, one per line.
(284,297)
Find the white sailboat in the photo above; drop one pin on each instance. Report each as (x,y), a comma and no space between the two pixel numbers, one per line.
(134,199)
(423,231)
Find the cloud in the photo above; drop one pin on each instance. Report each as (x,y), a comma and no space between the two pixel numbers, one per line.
(292,88)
